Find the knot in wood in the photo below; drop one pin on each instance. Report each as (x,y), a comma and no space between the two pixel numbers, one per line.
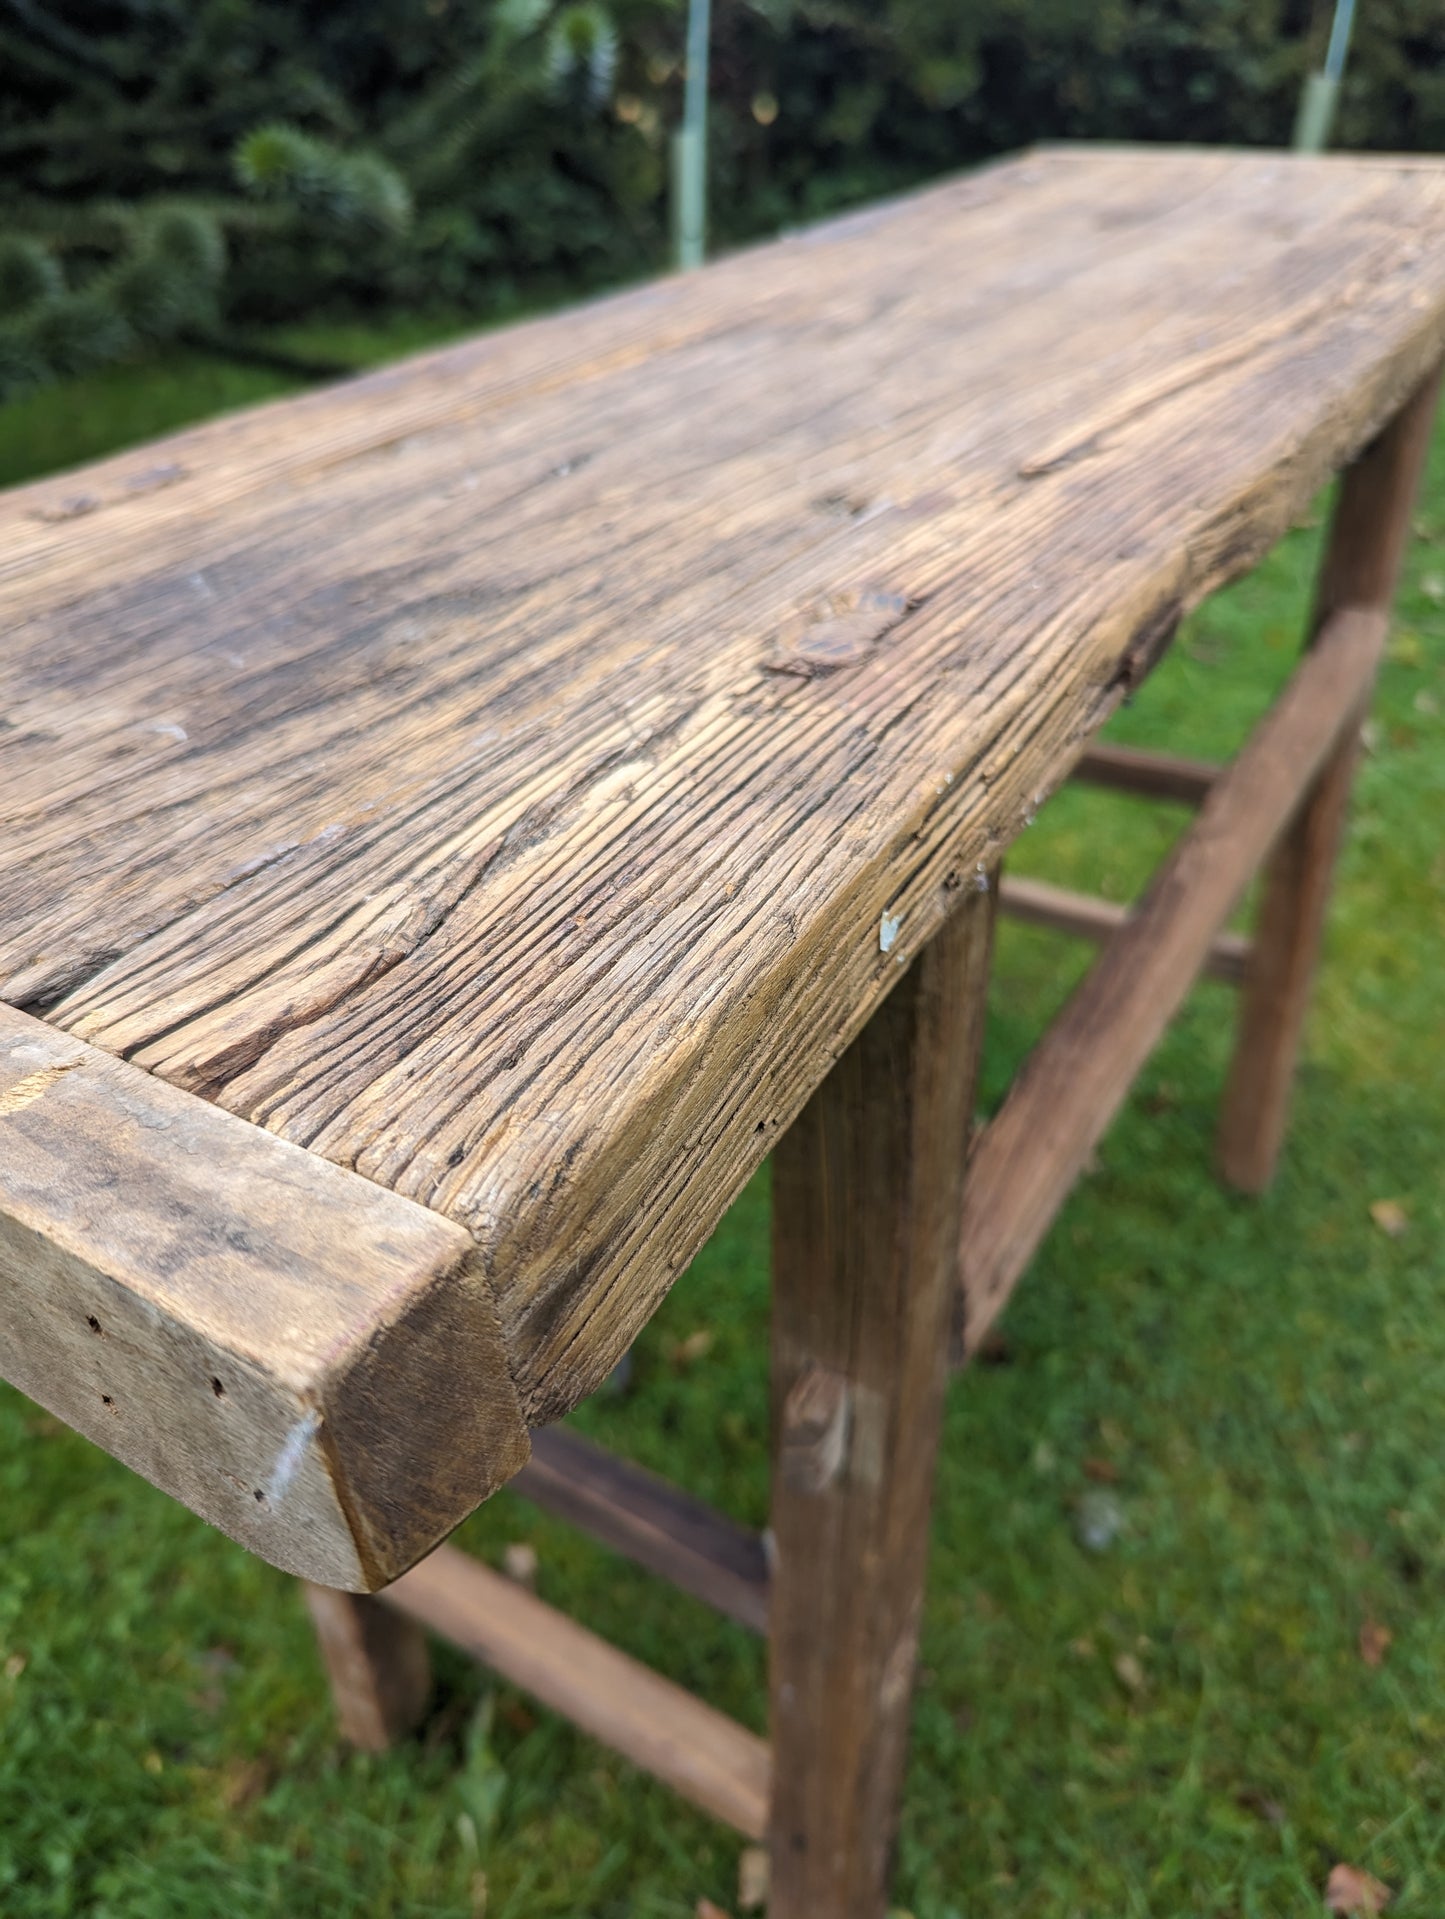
(839,630)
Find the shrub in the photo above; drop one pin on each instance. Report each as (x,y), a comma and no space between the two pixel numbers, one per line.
(171,167)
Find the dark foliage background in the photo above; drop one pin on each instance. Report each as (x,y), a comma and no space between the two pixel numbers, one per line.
(193,167)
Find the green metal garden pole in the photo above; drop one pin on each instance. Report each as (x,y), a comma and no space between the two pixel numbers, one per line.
(1317,104)
(689,144)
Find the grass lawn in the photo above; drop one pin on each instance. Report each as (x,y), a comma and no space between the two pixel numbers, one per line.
(1181,1723)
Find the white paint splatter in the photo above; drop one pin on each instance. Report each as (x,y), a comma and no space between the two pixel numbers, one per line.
(888,931)
(169,729)
(293,1451)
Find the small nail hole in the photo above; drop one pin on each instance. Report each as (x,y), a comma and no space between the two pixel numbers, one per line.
(218,1389)
(106,1400)
(93,1323)
(259,1496)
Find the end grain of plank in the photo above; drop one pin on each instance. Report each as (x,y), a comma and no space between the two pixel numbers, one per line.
(308,1361)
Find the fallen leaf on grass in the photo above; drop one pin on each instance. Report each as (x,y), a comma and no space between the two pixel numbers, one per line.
(753,1878)
(1130,1672)
(1349,1889)
(1374,1642)
(1390,1216)
(1102,1471)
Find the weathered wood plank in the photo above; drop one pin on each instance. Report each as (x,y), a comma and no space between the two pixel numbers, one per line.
(308,1361)
(867,1189)
(701,1753)
(1074,1081)
(1367,540)
(650,1521)
(1062,910)
(499,776)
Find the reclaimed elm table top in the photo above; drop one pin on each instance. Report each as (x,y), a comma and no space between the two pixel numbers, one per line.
(452,821)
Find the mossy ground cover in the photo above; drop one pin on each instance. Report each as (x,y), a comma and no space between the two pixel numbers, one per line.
(1181,1723)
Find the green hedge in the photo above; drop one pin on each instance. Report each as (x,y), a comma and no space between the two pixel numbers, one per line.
(188,167)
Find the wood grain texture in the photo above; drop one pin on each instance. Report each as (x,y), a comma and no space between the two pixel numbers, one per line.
(494,775)
(377,1664)
(1366,545)
(700,1752)
(308,1361)
(867,1192)
(1072,1084)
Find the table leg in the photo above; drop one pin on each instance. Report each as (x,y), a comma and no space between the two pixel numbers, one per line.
(1367,540)
(866,1197)
(377,1662)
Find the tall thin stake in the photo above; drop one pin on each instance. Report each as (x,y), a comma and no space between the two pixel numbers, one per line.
(1316,116)
(689,144)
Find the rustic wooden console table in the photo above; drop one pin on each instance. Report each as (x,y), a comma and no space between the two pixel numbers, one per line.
(458,823)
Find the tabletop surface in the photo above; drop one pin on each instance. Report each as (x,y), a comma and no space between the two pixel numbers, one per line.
(515,775)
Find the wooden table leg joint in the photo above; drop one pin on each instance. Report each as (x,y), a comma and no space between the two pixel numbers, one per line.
(1026,1160)
(702,1754)
(1362,562)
